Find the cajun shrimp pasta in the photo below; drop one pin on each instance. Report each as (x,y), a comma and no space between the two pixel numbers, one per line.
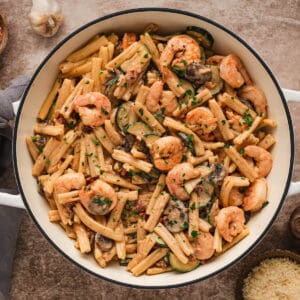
(153,150)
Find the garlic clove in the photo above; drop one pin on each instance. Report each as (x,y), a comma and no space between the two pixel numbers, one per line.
(45,17)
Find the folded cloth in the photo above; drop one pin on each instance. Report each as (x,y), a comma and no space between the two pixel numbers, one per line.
(7,97)
(9,217)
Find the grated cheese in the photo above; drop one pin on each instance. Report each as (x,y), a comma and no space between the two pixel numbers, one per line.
(275,278)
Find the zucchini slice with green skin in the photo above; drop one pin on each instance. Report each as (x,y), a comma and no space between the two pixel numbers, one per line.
(177,265)
(188,141)
(203,56)
(206,194)
(190,185)
(139,129)
(125,116)
(110,87)
(216,80)
(203,37)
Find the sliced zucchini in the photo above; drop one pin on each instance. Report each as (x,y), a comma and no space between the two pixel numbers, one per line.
(203,37)
(214,210)
(177,265)
(125,116)
(203,56)
(216,80)
(190,185)
(110,87)
(188,141)
(150,138)
(206,194)
(139,129)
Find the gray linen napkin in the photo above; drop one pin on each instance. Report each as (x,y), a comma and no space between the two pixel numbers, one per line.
(9,217)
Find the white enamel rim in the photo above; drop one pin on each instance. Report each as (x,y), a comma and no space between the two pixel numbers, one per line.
(279,178)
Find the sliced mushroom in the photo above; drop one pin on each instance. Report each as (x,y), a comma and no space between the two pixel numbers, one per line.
(198,73)
(218,174)
(176,216)
(104,243)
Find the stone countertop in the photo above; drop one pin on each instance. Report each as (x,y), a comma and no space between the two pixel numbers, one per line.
(272,27)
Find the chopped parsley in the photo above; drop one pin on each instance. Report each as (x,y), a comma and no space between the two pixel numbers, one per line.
(102,201)
(146,55)
(104,110)
(194,234)
(223,122)
(193,206)
(185,225)
(242,151)
(180,72)
(34,138)
(141,111)
(179,84)
(248,120)
(95,141)
(265,204)
(88,154)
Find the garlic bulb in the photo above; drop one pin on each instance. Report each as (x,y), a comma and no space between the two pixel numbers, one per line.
(45,17)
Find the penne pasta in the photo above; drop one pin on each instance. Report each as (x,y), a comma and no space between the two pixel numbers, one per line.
(157,210)
(246,169)
(92,47)
(44,110)
(223,124)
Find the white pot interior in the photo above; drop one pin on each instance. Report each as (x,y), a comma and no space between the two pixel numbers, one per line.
(168,22)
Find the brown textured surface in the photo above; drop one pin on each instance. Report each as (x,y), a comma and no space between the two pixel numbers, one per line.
(271,27)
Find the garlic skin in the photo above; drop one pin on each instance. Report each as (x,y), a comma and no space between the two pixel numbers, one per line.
(45,17)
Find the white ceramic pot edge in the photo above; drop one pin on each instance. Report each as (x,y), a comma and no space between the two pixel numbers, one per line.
(16,200)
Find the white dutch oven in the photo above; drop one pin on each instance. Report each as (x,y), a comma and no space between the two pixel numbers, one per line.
(169,21)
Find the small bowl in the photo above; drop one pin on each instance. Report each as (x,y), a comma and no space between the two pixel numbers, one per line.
(255,261)
(4,26)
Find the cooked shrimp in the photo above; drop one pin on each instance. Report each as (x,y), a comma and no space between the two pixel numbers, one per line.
(257,97)
(93,108)
(185,50)
(152,99)
(128,39)
(215,60)
(67,182)
(235,197)
(167,152)
(256,195)
(233,71)
(100,199)
(235,120)
(159,100)
(262,157)
(230,222)
(201,120)
(177,176)
(203,246)
(168,102)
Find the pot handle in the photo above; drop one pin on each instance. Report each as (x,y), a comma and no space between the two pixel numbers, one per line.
(11,200)
(6,197)
(290,96)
